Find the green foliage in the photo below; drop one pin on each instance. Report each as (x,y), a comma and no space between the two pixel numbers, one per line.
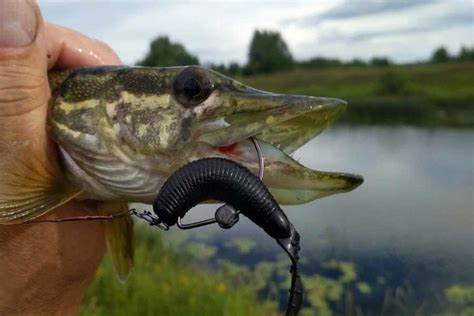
(466,54)
(460,294)
(268,53)
(234,69)
(319,62)
(324,293)
(380,62)
(200,250)
(271,280)
(391,83)
(164,53)
(242,246)
(168,282)
(356,62)
(164,283)
(422,95)
(363,288)
(440,55)
(460,300)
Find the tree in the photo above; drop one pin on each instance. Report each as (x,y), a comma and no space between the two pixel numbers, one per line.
(321,62)
(165,53)
(466,54)
(357,62)
(268,53)
(234,69)
(380,61)
(217,67)
(440,55)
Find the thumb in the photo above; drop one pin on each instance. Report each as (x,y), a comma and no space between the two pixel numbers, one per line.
(24,89)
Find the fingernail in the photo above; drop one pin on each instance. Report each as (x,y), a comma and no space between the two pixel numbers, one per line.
(18,23)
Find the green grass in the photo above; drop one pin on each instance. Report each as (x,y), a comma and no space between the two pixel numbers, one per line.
(163,282)
(424,95)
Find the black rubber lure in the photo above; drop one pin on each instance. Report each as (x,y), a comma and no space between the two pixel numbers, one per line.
(227,181)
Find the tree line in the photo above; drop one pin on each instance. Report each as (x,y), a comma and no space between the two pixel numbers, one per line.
(268,53)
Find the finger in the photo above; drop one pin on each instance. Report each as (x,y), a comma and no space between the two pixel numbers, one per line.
(70,49)
(23,81)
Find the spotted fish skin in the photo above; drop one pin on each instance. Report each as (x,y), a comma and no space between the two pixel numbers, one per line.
(115,124)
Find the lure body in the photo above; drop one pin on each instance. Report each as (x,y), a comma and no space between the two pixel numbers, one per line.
(222,180)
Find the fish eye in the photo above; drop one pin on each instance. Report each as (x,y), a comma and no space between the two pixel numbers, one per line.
(192,86)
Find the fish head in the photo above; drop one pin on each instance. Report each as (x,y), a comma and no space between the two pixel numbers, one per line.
(164,118)
(222,114)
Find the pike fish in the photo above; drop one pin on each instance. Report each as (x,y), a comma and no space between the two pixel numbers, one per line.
(122,131)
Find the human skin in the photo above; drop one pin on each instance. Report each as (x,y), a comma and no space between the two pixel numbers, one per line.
(45,269)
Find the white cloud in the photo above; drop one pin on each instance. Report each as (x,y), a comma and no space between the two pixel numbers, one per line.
(221,31)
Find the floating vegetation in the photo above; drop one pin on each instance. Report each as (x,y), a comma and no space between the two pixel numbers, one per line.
(165,283)
(199,281)
(241,245)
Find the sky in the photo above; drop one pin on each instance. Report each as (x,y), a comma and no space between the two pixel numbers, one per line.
(220,31)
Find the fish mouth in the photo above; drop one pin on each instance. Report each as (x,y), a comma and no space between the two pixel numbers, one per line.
(281,124)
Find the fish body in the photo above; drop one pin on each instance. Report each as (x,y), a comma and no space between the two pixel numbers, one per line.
(122,131)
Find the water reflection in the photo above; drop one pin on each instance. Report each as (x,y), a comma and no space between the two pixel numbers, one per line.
(418,192)
(412,221)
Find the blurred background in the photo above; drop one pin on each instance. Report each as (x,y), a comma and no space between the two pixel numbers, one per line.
(402,243)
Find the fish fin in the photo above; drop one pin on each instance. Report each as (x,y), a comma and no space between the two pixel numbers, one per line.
(29,189)
(120,238)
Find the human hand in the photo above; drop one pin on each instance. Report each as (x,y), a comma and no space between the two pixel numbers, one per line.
(44,268)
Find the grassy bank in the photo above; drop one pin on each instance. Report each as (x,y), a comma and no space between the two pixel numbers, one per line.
(175,281)
(420,95)
(163,283)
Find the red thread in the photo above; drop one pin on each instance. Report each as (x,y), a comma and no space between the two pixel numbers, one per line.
(82,218)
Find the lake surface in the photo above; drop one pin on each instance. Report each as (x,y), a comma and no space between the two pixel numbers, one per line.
(411,224)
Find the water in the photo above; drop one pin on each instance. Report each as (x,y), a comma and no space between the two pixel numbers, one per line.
(411,222)
(417,198)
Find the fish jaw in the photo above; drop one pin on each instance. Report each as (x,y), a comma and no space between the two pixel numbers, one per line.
(235,112)
(289,181)
(281,124)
